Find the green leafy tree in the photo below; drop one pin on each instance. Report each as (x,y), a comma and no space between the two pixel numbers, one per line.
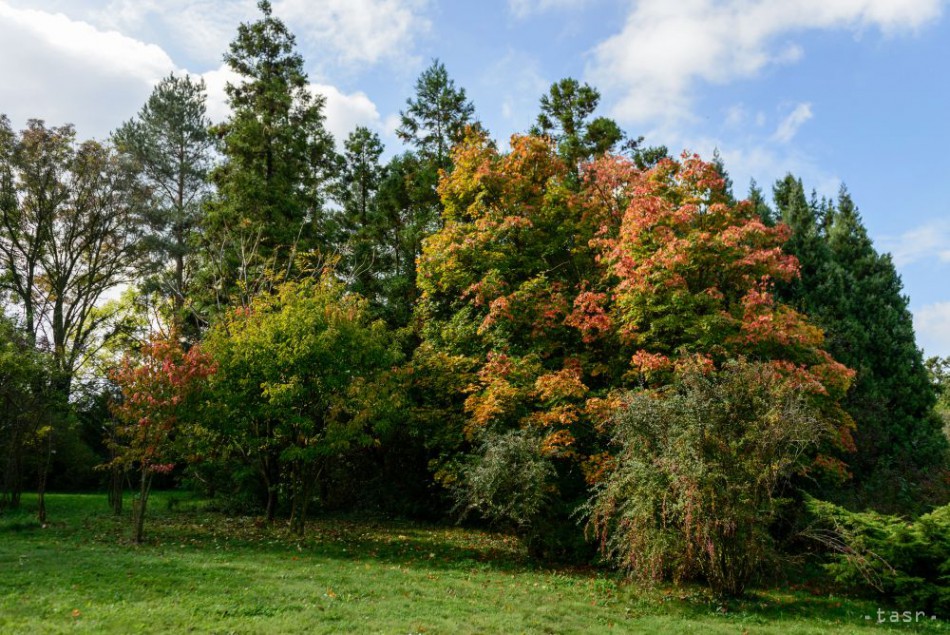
(28,399)
(171,144)
(297,375)
(939,370)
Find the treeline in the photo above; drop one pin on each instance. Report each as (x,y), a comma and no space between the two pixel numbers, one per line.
(581,338)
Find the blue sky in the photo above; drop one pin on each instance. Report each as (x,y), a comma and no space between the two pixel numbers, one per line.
(853,91)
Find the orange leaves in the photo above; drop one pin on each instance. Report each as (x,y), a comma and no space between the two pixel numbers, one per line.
(561,385)
(570,292)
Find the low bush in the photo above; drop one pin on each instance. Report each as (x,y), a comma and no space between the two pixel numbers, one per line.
(695,486)
(905,561)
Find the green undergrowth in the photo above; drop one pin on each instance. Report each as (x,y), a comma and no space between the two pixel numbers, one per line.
(203,572)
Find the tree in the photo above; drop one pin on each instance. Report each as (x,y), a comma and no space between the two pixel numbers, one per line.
(360,221)
(28,400)
(278,160)
(855,295)
(297,375)
(565,117)
(436,118)
(409,211)
(939,370)
(158,390)
(170,142)
(564,294)
(69,232)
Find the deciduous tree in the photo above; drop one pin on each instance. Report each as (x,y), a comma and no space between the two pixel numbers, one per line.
(69,232)
(158,389)
(297,373)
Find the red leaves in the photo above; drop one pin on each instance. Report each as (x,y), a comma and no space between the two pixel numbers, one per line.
(155,388)
(590,316)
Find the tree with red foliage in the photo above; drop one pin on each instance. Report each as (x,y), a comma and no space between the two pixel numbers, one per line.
(158,389)
(566,295)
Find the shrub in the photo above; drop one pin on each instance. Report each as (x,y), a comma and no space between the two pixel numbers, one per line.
(908,562)
(508,482)
(694,485)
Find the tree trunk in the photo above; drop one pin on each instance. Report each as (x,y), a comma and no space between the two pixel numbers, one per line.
(138,515)
(41,485)
(13,472)
(116,491)
(303,486)
(272,480)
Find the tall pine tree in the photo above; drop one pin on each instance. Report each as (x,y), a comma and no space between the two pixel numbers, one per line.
(278,158)
(364,258)
(170,142)
(855,294)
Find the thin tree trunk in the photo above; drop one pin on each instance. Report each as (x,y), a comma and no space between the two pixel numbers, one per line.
(41,485)
(116,491)
(140,505)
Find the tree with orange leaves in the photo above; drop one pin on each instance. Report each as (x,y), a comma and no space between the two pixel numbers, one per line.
(566,296)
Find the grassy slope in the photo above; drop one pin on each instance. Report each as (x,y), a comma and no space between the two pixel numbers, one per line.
(201,572)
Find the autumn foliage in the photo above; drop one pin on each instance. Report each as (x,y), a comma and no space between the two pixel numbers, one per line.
(157,391)
(569,294)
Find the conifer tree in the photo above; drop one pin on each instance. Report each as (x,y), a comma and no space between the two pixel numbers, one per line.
(435,119)
(364,258)
(278,157)
(170,142)
(855,294)
(565,118)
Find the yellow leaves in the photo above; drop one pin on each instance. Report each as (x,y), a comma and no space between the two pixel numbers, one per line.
(462,190)
(563,384)
(495,402)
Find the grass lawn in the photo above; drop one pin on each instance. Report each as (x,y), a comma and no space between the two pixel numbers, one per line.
(203,572)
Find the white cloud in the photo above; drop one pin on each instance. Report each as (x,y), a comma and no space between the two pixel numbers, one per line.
(925,242)
(345,112)
(525,8)
(68,71)
(932,326)
(789,126)
(665,48)
(517,82)
(200,29)
(329,32)
(358,31)
(755,156)
(736,115)
(215,82)
(64,70)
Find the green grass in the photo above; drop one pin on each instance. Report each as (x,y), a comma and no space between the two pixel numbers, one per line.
(203,572)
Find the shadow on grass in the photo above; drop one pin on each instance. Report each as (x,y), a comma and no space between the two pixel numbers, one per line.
(185,541)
